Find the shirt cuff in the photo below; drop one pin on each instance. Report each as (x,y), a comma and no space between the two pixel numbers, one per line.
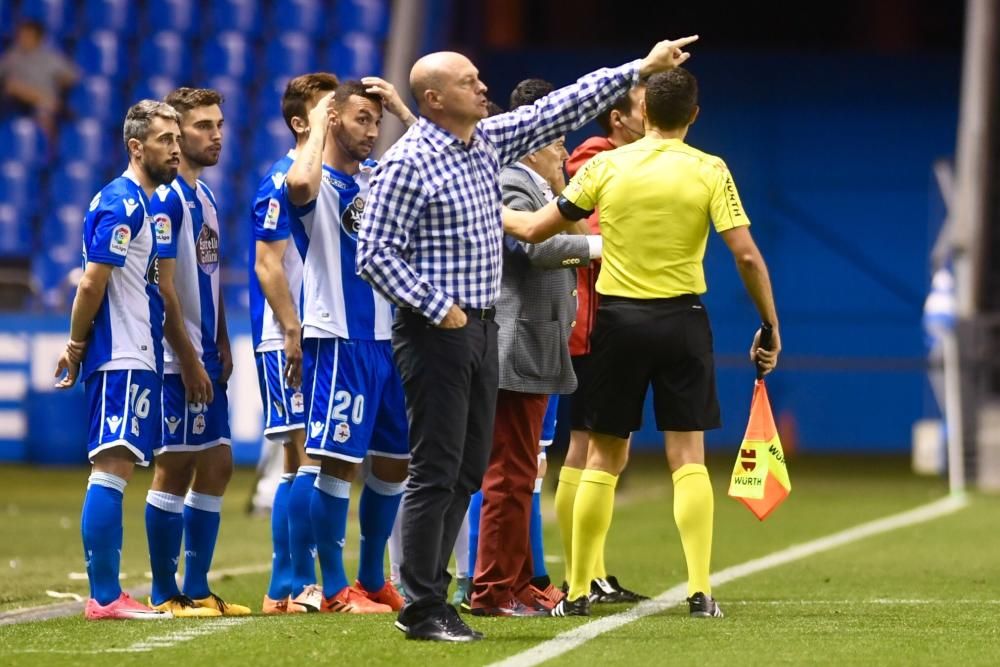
(634,66)
(595,244)
(436,306)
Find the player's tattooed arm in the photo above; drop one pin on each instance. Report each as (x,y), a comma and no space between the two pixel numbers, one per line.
(304,176)
(390,99)
(89,295)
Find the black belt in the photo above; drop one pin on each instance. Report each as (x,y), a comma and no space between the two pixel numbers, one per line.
(481,313)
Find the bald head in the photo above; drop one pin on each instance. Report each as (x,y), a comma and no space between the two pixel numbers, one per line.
(434,73)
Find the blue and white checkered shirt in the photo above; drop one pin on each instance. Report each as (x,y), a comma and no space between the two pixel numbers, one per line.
(431,234)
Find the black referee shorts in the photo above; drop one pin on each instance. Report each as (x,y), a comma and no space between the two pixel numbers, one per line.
(663,342)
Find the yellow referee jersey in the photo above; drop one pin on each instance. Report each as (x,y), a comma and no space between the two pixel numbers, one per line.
(656,198)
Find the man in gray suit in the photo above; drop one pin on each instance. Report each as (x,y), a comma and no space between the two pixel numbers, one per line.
(535,314)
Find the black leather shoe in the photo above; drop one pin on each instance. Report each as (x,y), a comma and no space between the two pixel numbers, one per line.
(439,626)
(458,624)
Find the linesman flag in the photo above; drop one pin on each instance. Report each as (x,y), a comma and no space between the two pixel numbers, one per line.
(760,477)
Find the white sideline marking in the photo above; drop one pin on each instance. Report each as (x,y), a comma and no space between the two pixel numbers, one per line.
(571,639)
(155,642)
(46,611)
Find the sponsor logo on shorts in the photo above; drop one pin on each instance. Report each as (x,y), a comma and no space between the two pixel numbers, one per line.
(315,429)
(114,422)
(278,408)
(172,424)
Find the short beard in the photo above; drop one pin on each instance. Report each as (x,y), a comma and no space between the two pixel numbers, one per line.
(164,175)
(202,160)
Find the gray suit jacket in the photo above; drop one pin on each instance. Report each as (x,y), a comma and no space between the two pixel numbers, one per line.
(537,301)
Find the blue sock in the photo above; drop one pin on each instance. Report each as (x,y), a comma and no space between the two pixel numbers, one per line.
(328,510)
(164,531)
(537,548)
(281,559)
(377,513)
(201,530)
(301,544)
(475,509)
(101,528)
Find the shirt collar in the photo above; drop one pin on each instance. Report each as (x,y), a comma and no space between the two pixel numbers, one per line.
(542,184)
(440,138)
(130,175)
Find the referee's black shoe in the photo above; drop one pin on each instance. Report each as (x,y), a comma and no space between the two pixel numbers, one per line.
(609,591)
(567,607)
(704,606)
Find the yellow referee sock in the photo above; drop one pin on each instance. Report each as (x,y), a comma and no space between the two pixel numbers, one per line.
(569,482)
(694,507)
(595,502)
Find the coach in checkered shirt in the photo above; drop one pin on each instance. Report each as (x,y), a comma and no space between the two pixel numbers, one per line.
(431,241)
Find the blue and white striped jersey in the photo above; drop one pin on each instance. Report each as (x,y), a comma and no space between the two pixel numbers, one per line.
(187,229)
(270,220)
(128,328)
(336,302)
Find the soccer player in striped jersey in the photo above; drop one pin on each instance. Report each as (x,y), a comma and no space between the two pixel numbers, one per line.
(194,462)
(354,397)
(115,335)
(275,293)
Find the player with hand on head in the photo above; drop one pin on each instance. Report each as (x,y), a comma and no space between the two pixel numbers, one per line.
(275,291)
(194,463)
(115,346)
(354,398)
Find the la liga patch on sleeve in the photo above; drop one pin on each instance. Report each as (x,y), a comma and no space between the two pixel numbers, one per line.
(120,239)
(273,212)
(164,230)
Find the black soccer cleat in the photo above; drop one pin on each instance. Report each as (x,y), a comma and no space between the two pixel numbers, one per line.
(567,607)
(609,591)
(704,606)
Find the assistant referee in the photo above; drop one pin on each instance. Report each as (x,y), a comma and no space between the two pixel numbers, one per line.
(657,198)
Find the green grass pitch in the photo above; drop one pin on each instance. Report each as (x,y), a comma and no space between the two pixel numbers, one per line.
(927,594)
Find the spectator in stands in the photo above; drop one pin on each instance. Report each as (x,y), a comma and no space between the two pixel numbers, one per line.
(34,76)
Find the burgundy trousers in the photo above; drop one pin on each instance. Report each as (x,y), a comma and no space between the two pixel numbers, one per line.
(503,561)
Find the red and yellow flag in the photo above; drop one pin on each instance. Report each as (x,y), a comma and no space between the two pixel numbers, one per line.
(760,478)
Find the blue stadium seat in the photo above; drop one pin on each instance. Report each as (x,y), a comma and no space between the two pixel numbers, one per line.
(63,228)
(176,15)
(102,53)
(15,232)
(75,183)
(234,104)
(228,54)
(289,54)
(368,16)
(305,16)
(57,16)
(19,188)
(84,140)
(165,53)
(97,97)
(355,55)
(6,20)
(271,140)
(153,88)
(117,15)
(22,140)
(243,16)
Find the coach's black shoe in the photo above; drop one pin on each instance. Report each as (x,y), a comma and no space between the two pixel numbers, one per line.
(458,624)
(704,606)
(567,607)
(436,626)
(609,591)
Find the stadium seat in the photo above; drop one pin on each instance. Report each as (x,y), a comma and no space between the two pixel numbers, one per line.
(154,88)
(228,54)
(19,188)
(75,182)
(117,15)
(22,140)
(63,229)
(6,20)
(355,55)
(234,104)
(242,16)
(84,140)
(370,17)
(102,53)
(165,54)
(289,54)
(97,97)
(304,16)
(271,140)
(56,15)
(15,232)
(175,15)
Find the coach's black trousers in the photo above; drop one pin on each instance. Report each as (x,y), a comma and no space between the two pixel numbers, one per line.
(450,379)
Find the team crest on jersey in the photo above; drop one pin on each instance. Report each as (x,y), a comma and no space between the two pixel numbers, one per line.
(207,249)
(351,219)
(164,230)
(120,238)
(342,433)
(273,213)
(95,202)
